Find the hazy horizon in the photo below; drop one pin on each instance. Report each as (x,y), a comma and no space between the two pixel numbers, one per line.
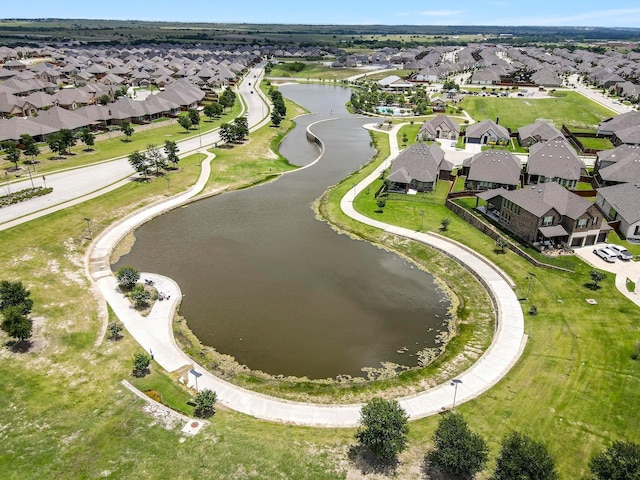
(507,13)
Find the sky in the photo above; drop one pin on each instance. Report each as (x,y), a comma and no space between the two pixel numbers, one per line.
(588,13)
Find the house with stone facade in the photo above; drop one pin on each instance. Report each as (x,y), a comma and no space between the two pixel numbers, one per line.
(439,127)
(548,214)
(486,132)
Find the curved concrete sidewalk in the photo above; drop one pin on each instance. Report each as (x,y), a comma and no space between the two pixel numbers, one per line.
(155,334)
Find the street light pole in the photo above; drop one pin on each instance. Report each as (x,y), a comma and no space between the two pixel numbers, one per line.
(421,220)
(455,382)
(168,186)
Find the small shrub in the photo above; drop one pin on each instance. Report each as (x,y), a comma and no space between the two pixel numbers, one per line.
(114,331)
(127,277)
(154,395)
(205,403)
(141,362)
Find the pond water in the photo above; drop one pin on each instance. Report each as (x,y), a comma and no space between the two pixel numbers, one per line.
(265,281)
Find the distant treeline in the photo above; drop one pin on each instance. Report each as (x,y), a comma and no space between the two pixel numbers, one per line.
(14,31)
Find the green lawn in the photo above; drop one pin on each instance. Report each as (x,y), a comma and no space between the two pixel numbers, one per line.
(572,109)
(597,143)
(576,387)
(314,71)
(66,415)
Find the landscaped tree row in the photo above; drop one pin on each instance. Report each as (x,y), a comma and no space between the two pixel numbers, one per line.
(457,450)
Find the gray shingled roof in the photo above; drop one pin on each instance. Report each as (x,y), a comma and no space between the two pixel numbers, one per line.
(625,198)
(497,166)
(541,129)
(418,162)
(624,170)
(478,129)
(554,159)
(541,198)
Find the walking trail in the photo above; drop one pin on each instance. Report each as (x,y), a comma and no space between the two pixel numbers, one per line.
(154,332)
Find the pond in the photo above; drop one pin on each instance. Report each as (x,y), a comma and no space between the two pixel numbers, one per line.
(268,283)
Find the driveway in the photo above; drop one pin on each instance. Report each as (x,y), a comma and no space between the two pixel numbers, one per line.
(622,271)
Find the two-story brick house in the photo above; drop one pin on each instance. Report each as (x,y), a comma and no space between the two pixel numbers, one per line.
(548,214)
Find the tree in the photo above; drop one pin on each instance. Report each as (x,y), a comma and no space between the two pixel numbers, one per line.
(13,294)
(171,149)
(445,224)
(141,362)
(16,323)
(104,99)
(185,122)
(155,158)
(450,85)
(383,428)
(67,138)
(596,278)
(457,449)
(213,110)
(88,138)
(139,163)
(242,128)
(227,98)
(139,296)
(29,147)
(205,403)
(127,129)
(276,119)
(621,461)
(523,458)
(12,153)
(127,277)
(226,133)
(114,331)
(194,116)
(56,143)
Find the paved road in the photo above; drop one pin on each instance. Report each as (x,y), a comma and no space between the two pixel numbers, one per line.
(154,333)
(74,186)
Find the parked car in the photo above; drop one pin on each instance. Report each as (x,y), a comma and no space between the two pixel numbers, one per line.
(606,254)
(623,253)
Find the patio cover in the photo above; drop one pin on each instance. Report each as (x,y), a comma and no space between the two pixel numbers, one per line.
(553,231)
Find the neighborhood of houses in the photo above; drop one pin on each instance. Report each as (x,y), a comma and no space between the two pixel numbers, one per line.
(44,90)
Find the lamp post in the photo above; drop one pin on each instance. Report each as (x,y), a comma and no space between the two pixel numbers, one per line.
(44,179)
(199,133)
(88,220)
(168,186)
(421,220)
(454,383)
(30,177)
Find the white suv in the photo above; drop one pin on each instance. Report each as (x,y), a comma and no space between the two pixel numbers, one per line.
(621,252)
(606,254)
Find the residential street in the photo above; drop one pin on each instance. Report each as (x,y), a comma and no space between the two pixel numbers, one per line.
(75,186)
